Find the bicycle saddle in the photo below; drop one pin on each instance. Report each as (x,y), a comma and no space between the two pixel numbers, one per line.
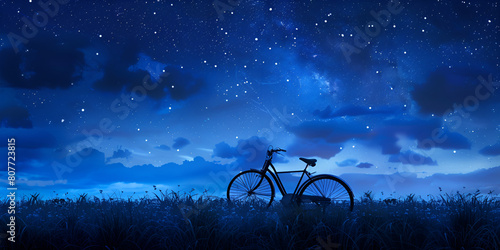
(311,162)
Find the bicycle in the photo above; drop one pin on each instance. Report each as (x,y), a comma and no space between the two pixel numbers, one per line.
(323,190)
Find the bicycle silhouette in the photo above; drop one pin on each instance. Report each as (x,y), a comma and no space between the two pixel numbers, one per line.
(323,190)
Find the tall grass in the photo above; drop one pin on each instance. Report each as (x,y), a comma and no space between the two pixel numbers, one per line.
(174,220)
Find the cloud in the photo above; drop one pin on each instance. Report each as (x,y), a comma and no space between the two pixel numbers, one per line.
(428,133)
(403,183)
(123,73)
(223,150)
(46,62)
(350,110)
(117,75)
(492,150)
(412,158)
(247,153)
(120,153)
(180,142)
(451,140)
(445,88)
(15,117)
(313,148)
(364,165)
(347,163)
(483,179)
(247,150)
(163,147)
(13,113)
(332,131)
(30,138)
(90,167)
(388,132)
(184,84)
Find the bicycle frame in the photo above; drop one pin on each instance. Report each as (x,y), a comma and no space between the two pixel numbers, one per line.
(265,169)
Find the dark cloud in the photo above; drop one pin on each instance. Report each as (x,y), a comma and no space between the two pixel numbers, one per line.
(184,84)
(46,62)
(92,169)
(174,83)
(492,150)
(30,138)
(223,150)
(333,131)
(117,75)
(408,182)
(180,142)
(347,163)
(445,88)
(313,148)
(15,117)
(483,179)
(120,153)
(364,165)
(246,150)
(91,164)
(350,110)
(248,153)
(163,147)
(428,133)
(412,158)
(121,74)
(451,140)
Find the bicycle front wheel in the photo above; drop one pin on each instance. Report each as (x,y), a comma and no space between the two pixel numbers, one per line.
(327,190)
(251,186)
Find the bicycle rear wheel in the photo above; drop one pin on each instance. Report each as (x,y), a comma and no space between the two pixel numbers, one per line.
(327,190)
(251,186)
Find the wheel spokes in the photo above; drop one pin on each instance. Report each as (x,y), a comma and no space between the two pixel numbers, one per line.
(251,187)
(327,188)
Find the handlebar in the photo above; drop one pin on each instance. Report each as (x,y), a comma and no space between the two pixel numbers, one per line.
(277,150)
(271,151)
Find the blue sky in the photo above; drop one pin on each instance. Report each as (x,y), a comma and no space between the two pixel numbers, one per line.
(120,96)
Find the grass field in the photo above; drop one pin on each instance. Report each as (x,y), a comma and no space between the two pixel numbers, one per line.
(172,220)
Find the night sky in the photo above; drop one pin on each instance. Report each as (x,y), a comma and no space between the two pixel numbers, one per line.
(118,96)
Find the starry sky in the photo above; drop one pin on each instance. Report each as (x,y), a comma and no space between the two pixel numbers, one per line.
(394,97)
